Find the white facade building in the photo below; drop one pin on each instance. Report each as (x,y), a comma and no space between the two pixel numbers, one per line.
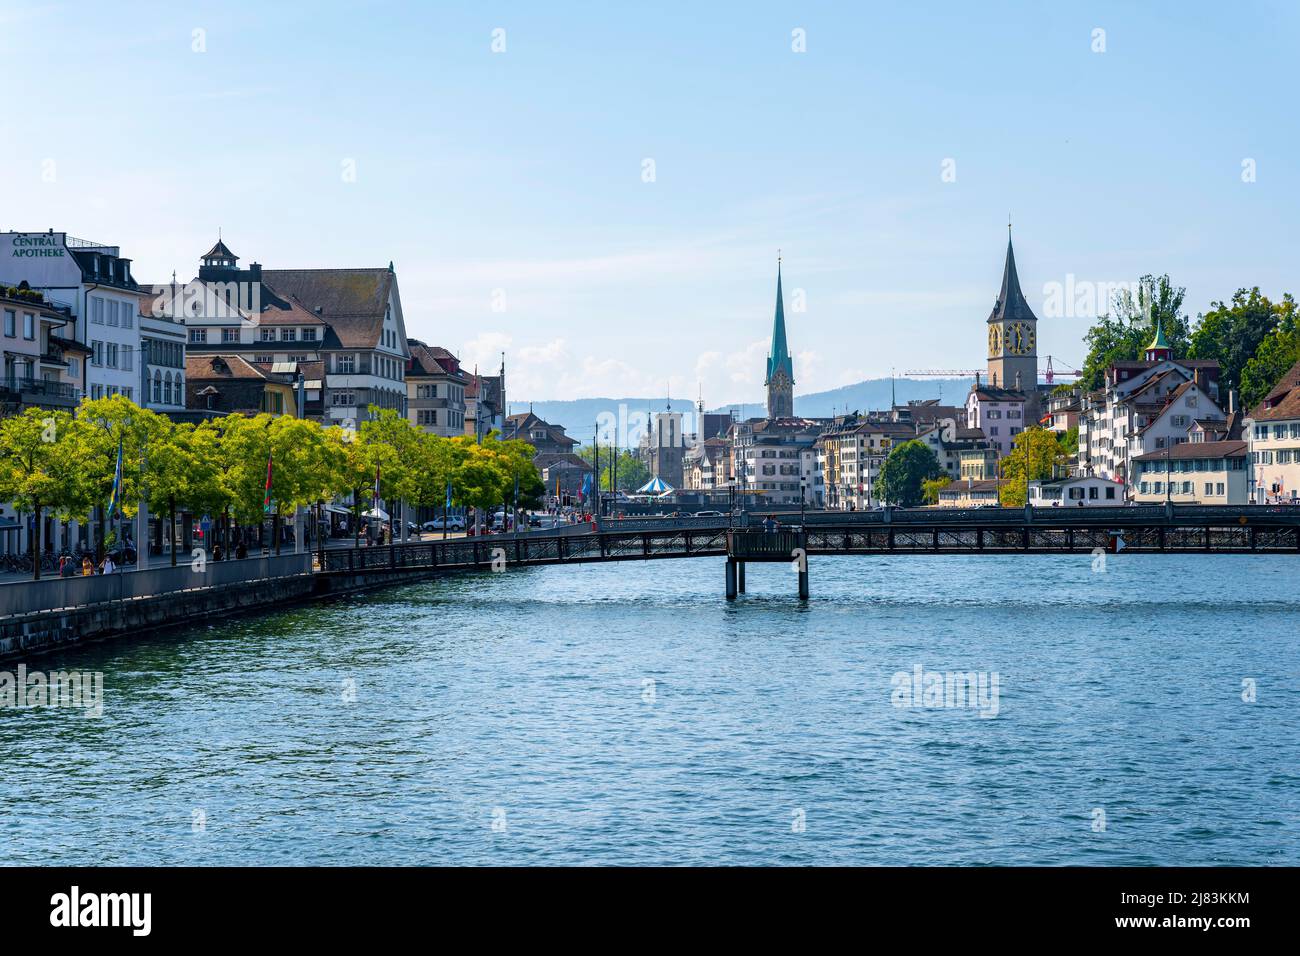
(94,281)
(1272,431)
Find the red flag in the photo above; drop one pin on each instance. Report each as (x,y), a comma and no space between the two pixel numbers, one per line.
(266,499)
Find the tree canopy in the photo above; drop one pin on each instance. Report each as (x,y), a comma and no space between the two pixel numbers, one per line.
(909,465)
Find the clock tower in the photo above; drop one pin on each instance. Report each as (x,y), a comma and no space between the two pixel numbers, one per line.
(1013,337)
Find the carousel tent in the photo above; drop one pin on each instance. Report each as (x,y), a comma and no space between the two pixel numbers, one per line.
(655,486)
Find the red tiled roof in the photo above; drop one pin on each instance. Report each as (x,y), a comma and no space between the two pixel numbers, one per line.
(1204,449)
(1283,401)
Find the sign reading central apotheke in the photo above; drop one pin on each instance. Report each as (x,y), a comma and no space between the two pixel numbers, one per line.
(41,259)
(38,245)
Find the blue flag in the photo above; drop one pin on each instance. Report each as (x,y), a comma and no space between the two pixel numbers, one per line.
(115,497)
(449,494)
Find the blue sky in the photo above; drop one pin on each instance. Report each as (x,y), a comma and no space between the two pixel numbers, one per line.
(515,179)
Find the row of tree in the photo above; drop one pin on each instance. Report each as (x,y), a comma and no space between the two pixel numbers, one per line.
(1254,339)
(911,474)
(66,464)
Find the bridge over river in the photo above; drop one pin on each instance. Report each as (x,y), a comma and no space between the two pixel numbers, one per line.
(36,616)
(1175,529)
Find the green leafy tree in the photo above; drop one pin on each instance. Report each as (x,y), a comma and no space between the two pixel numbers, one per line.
(931,487)
(1276,354)
(181,472)
(515,458)
(1037,452)
(1231,333)
(102,426)
(1124,332)
(479,481)
(39,468)
(908,466)
(632,472)
(353,470)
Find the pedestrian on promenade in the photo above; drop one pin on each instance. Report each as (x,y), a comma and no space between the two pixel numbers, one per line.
(241,551)
(216,552)
(107,567)
(87,567)
(770,524)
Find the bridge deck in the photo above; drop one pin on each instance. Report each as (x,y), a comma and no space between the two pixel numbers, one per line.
(1217,531)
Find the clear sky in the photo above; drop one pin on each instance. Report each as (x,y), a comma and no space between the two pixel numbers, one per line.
(509,187)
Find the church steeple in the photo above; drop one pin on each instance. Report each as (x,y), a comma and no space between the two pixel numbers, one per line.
(1011,304)
(780,369)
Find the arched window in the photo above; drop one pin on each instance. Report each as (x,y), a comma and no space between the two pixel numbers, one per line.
(157,386)
(178,392)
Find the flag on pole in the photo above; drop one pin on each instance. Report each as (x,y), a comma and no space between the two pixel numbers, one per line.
(586,486)
(374,497)
(115,496)
(449,495)
(266,497)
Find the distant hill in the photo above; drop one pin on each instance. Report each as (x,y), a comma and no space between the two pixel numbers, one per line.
(579,416)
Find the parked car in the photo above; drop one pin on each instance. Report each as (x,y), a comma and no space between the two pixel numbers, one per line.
(451,523)
(709,514)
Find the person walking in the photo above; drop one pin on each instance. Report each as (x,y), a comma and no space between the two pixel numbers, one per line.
(770,524)
(87,567)
(107,567)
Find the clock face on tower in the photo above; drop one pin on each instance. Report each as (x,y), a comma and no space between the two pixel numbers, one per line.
(995,340)
(1020,338)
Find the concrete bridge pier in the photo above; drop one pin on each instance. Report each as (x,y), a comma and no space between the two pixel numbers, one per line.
(740,576)
(732,577)
(803,579)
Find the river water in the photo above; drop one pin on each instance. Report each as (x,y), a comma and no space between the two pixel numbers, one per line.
(625,713)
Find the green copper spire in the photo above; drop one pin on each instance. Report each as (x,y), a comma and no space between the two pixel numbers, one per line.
(1159,341)
(779,357)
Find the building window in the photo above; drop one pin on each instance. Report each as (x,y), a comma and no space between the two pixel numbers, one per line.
(344,364)
(288,335)
(198,336)
(97,310)
(11,323)
(264,359)
(266,335)
(230,335)
(29,325)
(309,335)
(344,398)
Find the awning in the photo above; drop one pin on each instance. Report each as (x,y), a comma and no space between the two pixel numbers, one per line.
(655,486)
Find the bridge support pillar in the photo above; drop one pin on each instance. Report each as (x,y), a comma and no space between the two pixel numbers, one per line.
(731,579)
(740,576)
(803,580)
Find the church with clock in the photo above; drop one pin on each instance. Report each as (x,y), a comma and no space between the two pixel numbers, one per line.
(1013,340)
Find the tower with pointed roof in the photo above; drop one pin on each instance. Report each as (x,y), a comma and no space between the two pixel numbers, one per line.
(1159,350)
(780,369)
(1013,334)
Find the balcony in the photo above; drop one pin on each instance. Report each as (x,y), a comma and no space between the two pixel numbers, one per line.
(38,391)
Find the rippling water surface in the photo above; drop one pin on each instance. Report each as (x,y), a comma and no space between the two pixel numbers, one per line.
(626,713)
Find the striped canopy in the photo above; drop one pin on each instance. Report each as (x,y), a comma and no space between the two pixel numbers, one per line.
(655,486)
